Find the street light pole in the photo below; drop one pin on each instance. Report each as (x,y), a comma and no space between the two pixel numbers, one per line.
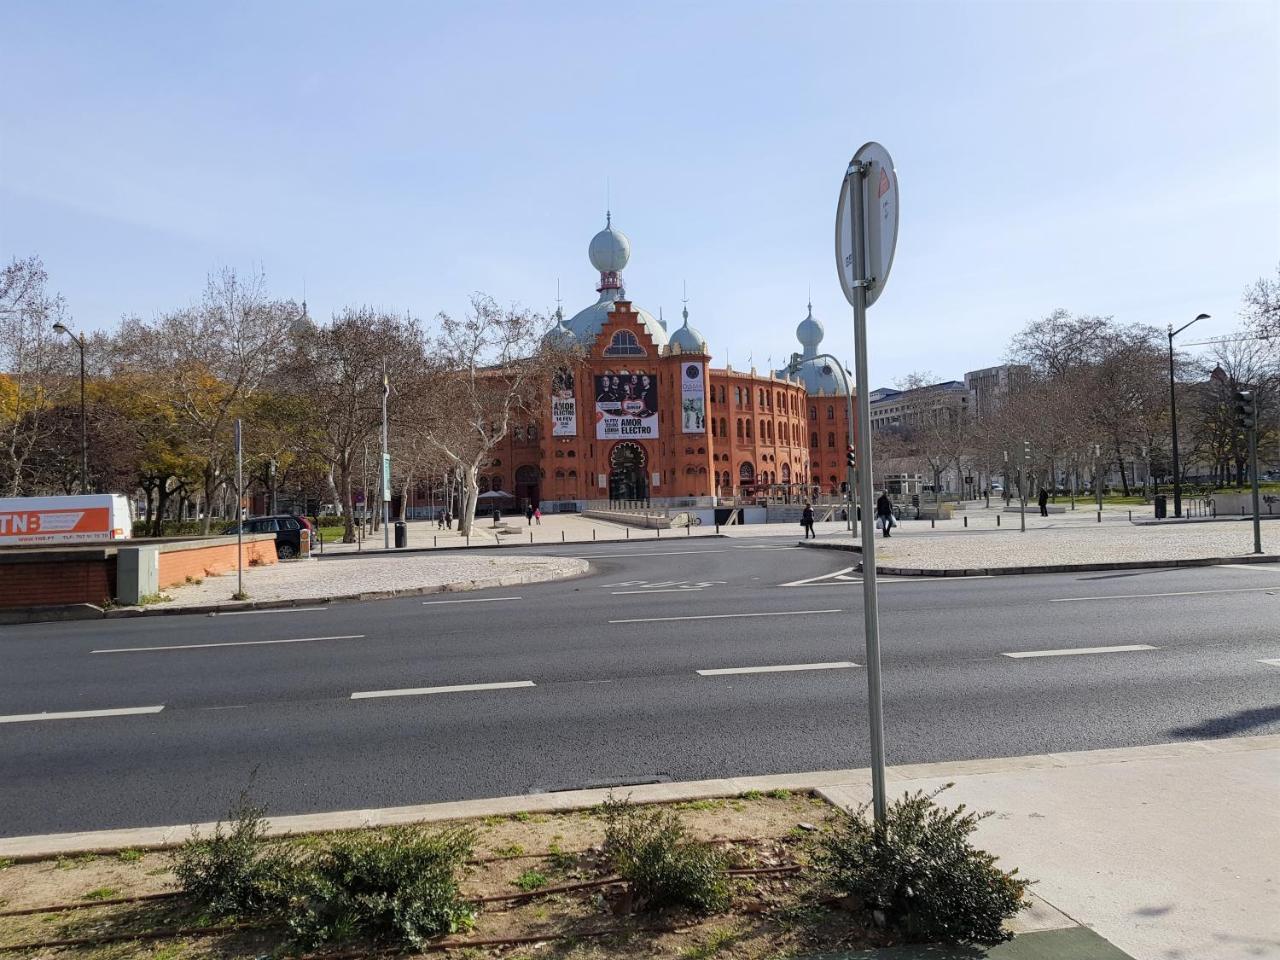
(1173,417)
(61,327)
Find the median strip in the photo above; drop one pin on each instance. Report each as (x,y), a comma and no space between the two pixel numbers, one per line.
(781,668)
(80,714)
(1075,651)
(725,616)
(426,691)
(230,643)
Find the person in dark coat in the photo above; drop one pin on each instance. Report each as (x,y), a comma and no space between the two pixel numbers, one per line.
(884,513)
(1043,500)
(528,515)
(806,521)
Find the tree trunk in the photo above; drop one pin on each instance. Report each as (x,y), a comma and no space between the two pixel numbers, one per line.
(404,498)
(208,478)
(347,502)
(469,493)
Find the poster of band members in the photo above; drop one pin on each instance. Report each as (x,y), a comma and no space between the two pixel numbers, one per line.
(693,402)
(626,406)
(564,407)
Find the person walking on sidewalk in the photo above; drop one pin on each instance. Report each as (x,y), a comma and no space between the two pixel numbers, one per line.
(537,515)
(1043,500)
(528,514)
(884,514)
(806,521)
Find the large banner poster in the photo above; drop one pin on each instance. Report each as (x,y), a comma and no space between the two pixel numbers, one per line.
(626,406)
(564,406)
(693,399)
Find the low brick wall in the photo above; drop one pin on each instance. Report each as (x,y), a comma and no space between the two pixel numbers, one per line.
(201,559)
(57,576)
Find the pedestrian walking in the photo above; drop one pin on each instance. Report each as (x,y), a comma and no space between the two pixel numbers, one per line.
(528,515)
(806,521)
(497,516)
(1043,500)
(884,514)
(537,515)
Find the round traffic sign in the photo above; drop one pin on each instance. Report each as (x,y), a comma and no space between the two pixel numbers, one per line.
(880,212)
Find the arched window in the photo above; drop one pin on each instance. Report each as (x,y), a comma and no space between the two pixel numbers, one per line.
(813,413)
(572,454)
(762,432)
(483,483)
(624,344)
(497,482)
(559,453)
(533,433)
(722,393)
(747,473)
(724,424)
(737,395)
(518,432)
(831,440)
(559,474)
(786,473)
(813,439)
(748,428)
(740,433)
(573,474)
(715,427)
(831,412)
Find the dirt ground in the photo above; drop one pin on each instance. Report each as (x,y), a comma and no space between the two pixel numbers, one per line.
(772,914)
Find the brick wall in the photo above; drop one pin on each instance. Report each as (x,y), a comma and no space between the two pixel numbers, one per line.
(57,582)
(199,562)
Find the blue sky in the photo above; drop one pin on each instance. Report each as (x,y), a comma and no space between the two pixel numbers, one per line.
(1114,158)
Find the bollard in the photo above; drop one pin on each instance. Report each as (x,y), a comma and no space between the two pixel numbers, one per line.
(435,541)
(531,536)
(658,531)
(1131,516)
(717,529)
(562,536)
(468,539)
(593,533)
(688,529)
(932,523)
(997,519)
(628,533)
(1099,516)
(966,520)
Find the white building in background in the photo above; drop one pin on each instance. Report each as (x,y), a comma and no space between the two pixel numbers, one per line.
(991,386)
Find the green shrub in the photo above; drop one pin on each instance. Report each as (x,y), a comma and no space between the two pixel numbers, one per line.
(237,870)
(649,849)
(399,887)
(531,880)
(921,871)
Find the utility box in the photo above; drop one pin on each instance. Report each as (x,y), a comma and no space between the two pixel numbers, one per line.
(137,574)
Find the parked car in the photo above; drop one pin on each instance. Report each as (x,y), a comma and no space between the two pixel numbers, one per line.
(287,528)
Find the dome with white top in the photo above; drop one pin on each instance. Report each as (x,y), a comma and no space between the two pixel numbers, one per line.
(688,339)
(610,250)
(815,372)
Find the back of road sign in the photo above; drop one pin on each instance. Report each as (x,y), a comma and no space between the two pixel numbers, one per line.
(882,222)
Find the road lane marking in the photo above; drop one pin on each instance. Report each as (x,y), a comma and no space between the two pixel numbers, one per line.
(725,616)
(242,613)
(456,688)
(1272,663)
(80,714)
(627,593)
(837,575)
(1253,567)
(1183,593)
(672,553)
(427,603)
(782,668)
(232,643)
(1073,651)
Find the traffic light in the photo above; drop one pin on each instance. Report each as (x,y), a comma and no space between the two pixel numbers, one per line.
(1026,450)
(851,458)
(1246,409)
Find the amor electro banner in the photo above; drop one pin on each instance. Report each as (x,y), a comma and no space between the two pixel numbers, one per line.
(693,399)
(564,407)
(626,406)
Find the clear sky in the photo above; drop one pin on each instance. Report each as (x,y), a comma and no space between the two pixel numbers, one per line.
(1112,158)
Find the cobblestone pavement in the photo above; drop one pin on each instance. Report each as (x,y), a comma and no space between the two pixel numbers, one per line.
(314,580)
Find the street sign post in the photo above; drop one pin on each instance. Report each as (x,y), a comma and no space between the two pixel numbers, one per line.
(239,514)
(866,236)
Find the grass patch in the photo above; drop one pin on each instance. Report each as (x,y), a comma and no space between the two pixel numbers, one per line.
(511,850)
(240,595)
(102,893)
(531,880)
(151,599)
(129,855)
(779,794)
(753,795)
(70,863)
(702,804)
(5,863)
(716,940)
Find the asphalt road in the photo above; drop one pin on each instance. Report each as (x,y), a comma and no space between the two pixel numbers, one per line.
(596,682)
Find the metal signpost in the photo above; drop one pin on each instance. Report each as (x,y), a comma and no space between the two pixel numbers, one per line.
(866,236)
(239,514)
(1024,482)
(1247,410)
(386,466)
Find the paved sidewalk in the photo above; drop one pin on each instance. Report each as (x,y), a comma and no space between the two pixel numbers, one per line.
(1169,852)
(376,574)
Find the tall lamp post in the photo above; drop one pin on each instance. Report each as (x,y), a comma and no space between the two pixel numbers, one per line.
(61,327)
(1173,417)
(797,361)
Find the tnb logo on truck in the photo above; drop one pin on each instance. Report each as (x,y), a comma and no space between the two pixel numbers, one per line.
(38,522)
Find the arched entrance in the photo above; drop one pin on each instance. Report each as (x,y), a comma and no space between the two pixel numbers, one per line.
(527,485)
(626,472)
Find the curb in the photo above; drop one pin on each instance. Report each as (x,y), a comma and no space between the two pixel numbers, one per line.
(90,612)
(1047,568)
(382,552)
(832,785)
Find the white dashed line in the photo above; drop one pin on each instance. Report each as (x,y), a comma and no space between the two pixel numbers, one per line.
(783,668)
(245,613)
(1271,663)
(424,691)
(726,616)
(80,714)
(1183,593)
(1074,651)
(642,555)
(428,603)
(233,643)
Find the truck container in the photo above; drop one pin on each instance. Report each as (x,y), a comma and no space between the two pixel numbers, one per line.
(87,518)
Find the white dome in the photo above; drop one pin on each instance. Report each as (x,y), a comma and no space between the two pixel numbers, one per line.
(610,249)
(809,332)
(688,339)
(559,336)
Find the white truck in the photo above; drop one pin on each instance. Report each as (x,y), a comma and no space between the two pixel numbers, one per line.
(88,518)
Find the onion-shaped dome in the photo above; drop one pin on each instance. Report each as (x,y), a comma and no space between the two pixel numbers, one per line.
(559,336)
(609,249)
(688,339)
(809,333)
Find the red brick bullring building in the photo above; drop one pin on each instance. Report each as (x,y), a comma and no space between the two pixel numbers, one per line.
(645,415)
